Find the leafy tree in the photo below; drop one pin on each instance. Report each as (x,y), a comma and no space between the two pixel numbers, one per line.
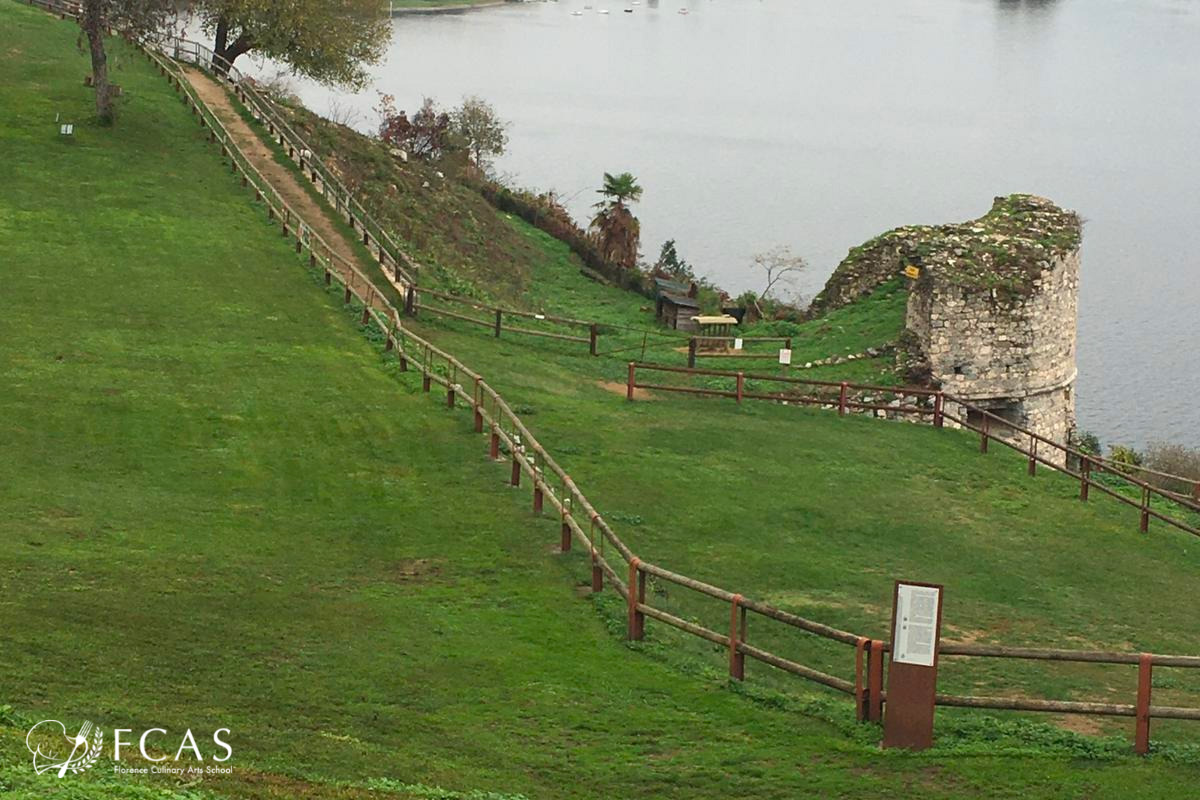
(617,230)
(670,263)
(427,135)
(330,42)
(135,19)
(481,130)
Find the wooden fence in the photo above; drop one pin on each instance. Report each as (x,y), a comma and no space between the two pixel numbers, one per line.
(494,320)
(580,523)
(939,408)
(734,347)
(373,236)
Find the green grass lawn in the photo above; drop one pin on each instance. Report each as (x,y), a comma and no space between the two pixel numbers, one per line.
(222,507)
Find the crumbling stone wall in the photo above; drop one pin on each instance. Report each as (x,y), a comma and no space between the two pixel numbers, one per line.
(1012,353)
(991,316)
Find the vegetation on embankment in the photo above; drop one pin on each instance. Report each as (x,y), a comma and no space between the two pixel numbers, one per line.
(222,508)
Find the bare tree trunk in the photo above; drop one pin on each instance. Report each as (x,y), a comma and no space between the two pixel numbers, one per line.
(93,27)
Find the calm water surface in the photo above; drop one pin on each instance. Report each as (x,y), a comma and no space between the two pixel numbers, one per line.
(818,124)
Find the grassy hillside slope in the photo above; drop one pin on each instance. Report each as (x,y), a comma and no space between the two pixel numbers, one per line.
(222,508)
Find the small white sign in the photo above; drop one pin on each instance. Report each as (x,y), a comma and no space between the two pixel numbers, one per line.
(914,639)
(67,130)
(539,316)
(785,357)
(737,344)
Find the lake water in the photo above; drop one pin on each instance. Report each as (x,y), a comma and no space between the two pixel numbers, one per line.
(820,123)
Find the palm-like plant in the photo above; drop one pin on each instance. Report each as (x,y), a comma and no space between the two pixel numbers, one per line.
(617,230)
(619,188)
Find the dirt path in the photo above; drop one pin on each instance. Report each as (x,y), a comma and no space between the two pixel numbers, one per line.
(286,183)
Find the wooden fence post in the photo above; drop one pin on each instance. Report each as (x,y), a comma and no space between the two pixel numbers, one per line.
(597,573)
(494,444)
(630,381)
(737,635)
(410,301)
(593,332)
(860,685)
(477,399)
(636,626)
(692,353)
(1032,454)
(515,478)
(939,410)
(564,544)
(498,322)
(741,386)
(842,399)
(328,276)
(1141,738)
(1144,525)
(539,495)
(875,682)
(426,381)
(450,396)
(1085,469)
(984,435)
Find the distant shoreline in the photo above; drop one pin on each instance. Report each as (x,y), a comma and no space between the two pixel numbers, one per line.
(457,8)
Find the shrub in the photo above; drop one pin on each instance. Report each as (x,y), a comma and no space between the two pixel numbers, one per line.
(1175,459)
(1124,457)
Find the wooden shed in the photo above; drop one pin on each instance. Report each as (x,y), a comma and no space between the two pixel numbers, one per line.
(674,305)
(677,311)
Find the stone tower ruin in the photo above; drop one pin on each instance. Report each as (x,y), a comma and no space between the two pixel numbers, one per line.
(991,310)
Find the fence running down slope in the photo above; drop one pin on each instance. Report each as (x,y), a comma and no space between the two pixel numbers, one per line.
(580,523)
(940,408)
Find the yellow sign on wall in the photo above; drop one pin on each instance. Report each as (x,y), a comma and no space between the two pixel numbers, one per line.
(912,272)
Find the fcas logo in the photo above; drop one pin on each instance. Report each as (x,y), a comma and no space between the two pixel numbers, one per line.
(55,750)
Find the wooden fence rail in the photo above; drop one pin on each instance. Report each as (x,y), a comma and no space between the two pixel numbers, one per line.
(940,407)
(581,523)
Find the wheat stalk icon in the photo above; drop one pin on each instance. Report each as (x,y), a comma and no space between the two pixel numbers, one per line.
(44,762)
